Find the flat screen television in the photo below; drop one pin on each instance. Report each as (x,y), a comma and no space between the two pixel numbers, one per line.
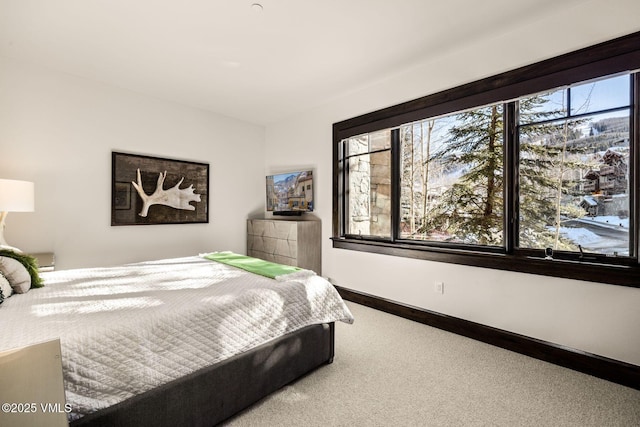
(290,193)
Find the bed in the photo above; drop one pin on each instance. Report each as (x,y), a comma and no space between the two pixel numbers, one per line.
(183,341)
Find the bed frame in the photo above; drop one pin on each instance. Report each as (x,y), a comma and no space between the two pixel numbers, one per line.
(217,392)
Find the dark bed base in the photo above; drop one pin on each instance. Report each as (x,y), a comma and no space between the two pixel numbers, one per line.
(215,393)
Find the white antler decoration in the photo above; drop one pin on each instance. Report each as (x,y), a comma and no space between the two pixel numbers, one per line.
(174,197)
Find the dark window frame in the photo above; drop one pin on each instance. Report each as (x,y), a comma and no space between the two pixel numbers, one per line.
(608,58)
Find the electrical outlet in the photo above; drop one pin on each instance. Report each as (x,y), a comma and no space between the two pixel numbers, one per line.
(438,287)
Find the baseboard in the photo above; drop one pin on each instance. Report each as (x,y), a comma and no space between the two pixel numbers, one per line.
(598,366)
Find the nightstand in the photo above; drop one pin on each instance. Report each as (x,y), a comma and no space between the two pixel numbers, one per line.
(46,261)
(32,379)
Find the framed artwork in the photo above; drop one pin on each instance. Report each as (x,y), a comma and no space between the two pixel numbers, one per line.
(154,190)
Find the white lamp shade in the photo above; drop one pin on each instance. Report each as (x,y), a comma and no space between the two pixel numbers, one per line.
(16,196)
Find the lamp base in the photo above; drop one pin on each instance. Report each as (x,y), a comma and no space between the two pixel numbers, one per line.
(3,216)
(3,243)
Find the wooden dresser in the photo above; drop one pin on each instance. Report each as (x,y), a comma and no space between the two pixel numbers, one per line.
(286,241)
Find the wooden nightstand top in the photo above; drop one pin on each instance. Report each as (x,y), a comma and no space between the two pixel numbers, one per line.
(46,260)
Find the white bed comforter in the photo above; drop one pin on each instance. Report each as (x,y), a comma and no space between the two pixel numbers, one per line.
(125,330)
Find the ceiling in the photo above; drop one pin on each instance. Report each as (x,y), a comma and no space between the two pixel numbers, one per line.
(257,66)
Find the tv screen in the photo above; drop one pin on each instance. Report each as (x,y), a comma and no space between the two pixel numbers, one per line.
(290,193)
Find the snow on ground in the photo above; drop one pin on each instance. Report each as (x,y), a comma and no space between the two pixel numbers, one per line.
(580,235)
(608,235)
(612,220)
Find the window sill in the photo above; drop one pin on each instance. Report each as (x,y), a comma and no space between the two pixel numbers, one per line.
(623,275)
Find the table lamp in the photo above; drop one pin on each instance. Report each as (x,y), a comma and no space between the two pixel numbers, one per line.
(15,196)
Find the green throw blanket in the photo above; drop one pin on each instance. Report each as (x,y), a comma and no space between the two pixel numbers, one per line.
(252,265)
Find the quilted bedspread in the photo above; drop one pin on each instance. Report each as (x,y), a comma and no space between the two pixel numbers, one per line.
(125,330)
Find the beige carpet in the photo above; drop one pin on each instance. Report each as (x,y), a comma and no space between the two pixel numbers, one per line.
(389,371)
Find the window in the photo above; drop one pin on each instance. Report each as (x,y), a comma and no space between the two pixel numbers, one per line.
(574,169)
(451,178)
(535,170)
(367,166)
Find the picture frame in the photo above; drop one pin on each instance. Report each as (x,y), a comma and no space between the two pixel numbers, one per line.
(147,190)
(122,196)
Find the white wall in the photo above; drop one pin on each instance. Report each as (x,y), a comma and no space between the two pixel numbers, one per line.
(597,318)
(59,130)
